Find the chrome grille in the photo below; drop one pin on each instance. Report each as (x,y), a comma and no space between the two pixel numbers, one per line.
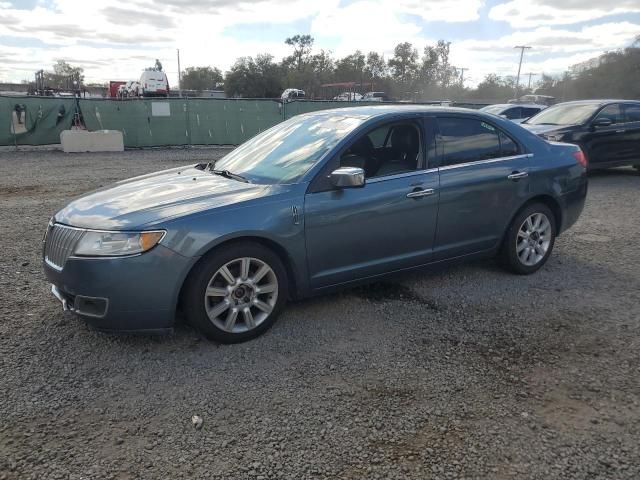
(61,240)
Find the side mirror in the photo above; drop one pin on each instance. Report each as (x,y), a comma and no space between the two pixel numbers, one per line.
(347,177)
(602,122)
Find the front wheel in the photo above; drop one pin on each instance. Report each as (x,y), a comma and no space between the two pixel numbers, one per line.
(235,293)
(529,239)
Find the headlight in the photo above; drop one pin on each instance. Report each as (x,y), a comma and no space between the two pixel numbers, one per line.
(112,244)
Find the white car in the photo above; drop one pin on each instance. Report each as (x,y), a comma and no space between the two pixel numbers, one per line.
(375,97)
(348,97)
(517,113)
(154,83)
(292,94)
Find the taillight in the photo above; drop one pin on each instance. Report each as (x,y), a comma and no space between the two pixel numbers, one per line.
(580,157)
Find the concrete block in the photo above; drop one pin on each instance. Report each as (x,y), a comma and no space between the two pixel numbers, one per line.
(74,141)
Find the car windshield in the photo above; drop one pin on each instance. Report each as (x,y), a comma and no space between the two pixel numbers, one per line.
(564,114)
(285,152)
(495,109)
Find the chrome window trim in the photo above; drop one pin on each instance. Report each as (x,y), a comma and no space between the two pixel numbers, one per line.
(400,175)
(483,162)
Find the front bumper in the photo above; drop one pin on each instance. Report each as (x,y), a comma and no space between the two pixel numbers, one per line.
(126,294)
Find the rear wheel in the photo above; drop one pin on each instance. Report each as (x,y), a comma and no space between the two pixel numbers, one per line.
(235,293)
(529,239)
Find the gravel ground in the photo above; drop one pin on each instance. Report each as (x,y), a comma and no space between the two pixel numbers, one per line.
(469,372)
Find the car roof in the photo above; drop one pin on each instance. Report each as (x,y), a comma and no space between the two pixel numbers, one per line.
(597,102)
(514,105)
(378,111)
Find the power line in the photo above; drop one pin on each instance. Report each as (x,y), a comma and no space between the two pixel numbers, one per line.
(522,49)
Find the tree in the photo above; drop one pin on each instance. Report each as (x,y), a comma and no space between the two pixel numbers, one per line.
(64,76)
(429,66)
(201,78)
(494,89)
(259,78)
(351,68)
(62,68)
(301,49)
(319,70)
(322,64)
(376,67)
(445,72)
(404,64)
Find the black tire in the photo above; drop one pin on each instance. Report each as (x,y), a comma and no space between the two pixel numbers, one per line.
(508,255)
(198,282)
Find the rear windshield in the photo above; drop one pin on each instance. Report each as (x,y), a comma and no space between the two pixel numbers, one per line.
(495,109)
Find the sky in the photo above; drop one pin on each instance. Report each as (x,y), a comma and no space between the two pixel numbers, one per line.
(116,39)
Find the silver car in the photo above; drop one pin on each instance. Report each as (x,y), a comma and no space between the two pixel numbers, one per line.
(515,112)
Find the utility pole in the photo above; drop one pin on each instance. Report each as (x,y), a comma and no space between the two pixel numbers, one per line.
(530,75)
(462,69)
(522,49)
(179,75)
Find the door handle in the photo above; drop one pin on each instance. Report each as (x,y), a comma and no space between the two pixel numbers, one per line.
(421,193)
(620,131)
(517,176)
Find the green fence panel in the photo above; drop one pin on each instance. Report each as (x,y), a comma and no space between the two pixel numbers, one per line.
(143,123)
(230,122)
(153,122)
(34,120)
(183,121)
(208,122)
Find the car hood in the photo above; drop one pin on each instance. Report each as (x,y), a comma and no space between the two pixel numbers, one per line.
(540,129)
(157,197)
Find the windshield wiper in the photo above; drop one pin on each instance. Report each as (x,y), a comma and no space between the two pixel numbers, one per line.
(228,174)
(210,166)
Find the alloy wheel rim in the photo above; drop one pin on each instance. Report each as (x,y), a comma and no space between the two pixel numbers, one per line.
(534,238)
(241,295)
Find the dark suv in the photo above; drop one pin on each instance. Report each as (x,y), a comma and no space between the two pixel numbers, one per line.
(608,131)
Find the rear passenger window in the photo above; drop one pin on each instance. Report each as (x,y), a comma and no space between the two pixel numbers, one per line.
(468,140)
(508,147)
(632,113)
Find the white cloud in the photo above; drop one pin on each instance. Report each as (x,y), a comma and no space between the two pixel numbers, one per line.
(533,13)
(553,50)
(117,39)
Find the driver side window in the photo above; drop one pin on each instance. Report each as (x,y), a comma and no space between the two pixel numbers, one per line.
(613,112)
(388,150)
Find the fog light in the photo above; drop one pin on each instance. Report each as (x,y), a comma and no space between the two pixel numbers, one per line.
(90,306)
